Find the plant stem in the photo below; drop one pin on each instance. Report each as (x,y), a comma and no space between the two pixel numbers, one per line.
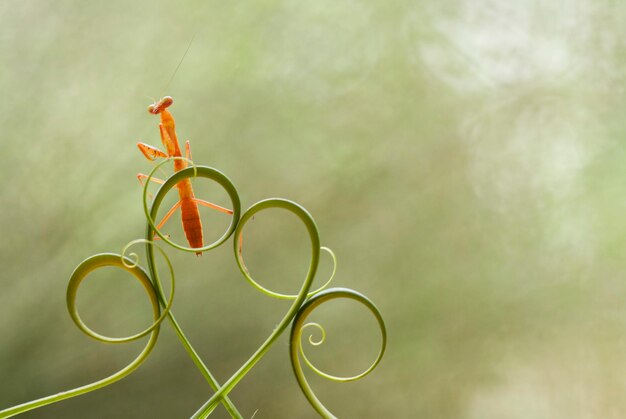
(228,404)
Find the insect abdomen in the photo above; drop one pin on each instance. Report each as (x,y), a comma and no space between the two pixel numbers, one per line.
(191,222)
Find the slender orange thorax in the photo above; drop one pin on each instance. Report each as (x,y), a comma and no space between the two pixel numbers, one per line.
(169,137)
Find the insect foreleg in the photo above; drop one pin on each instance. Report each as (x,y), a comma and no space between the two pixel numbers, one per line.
(151,153)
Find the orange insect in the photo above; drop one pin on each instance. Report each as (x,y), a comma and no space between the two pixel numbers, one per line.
(188,203)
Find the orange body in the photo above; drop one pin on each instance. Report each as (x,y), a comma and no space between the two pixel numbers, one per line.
(189,209)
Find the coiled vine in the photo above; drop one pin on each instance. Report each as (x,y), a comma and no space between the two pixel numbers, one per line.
(303,303)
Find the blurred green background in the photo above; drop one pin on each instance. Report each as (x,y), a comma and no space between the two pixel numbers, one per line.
(464,159)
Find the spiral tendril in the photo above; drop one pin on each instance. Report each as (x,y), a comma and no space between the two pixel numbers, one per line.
(321,330)
(296,349)
(134,257)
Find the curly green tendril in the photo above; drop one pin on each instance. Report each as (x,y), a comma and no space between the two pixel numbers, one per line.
(296,350)
(303,303)
(80,273)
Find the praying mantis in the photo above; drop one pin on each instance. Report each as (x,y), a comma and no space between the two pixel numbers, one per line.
(188,203)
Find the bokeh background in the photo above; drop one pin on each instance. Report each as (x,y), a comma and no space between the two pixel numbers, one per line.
(464,159)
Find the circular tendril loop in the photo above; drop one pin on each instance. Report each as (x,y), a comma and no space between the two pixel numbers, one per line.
(246,273)
(130,265)
(189,172)
(295,343)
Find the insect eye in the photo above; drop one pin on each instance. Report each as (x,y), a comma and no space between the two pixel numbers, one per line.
(166,102)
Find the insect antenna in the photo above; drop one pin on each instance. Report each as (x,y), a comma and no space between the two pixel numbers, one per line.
(181,61)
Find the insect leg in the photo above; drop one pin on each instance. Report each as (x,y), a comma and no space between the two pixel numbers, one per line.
(141,177)
(168,215)
(187,150)
(212,205)
(150,152)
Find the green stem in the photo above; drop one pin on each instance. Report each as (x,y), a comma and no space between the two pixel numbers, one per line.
(228,404)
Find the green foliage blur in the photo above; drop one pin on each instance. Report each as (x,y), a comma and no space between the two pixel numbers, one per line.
(465,160)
